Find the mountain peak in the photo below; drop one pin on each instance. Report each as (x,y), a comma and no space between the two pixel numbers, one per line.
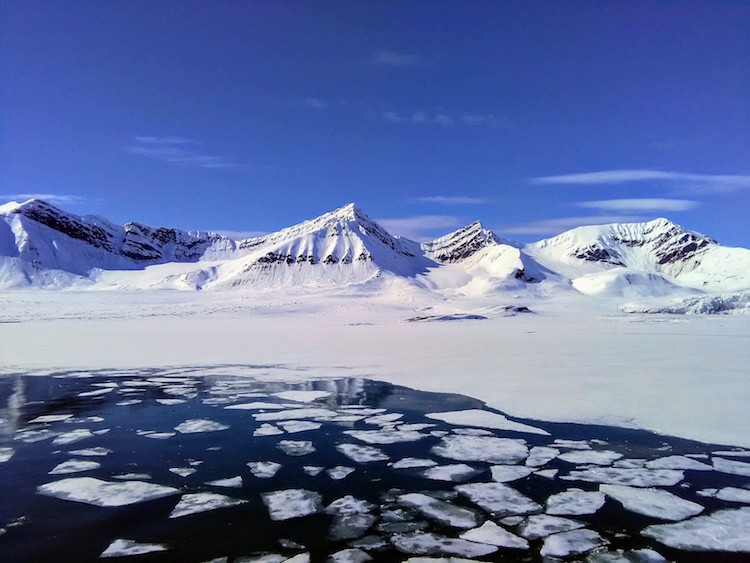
(460,244)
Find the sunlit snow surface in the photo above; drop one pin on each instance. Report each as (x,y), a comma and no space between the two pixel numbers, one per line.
(245,468)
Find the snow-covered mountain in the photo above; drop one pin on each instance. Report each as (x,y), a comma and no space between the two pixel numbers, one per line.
(43,246)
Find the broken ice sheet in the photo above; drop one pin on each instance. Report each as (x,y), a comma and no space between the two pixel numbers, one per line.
(95,452)
(543,525)
(74,466)
(104,493)
(261,405)
(482,448)
(492,534)
(339,472)
(183,471)
(267,430)
(197,425)
(575,502)
(170,402)
(296,447)
(485,419)
(541,455)
(655,503)
(413,462)
(724,530)
(294,426)
(730,494)
(291,503)
(362,454)
(124,548)
(352,518)
(594,457)
(622,476)
(677,462)
(157,435)
(508,473)
(571,444)
(193,503)
(443,512)
(547,473)
(312,470)
(386,436)
(731,466)
(453,472)
(499,499)
(420,543)
(6,454)
(302,396)
(234,482)
(570,543)
(384,419)
(351,555)
(264,469)
(47,418)
(294,414)
(73,436)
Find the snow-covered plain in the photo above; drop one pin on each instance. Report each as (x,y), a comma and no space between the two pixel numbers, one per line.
(679,375)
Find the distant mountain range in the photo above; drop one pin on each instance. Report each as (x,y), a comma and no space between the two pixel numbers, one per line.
(43,246)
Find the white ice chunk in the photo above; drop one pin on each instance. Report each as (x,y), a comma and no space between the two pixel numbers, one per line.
(724,530)
(267,430)
(104,493)
(737,453)
(73,436)
(46,418)
(296,447)
(132,476)
(623,476)
(499,499)
(441,511)
(312,470)
(472,432)
(183,471)
(595,457)
(485,419)
(234,482)
(261,405)
(508,473)
(575,502)
(569,543)
(158,435)
(128,402)
(543,525)
(362,454)
(386,436)
(414,427)
(421,543)
(572,444)
(729,466)
(264,469)
(482,448)
(453,472)
(492,534)
(196,425)
(193,503)
(339,472)
(294,414)
(95,393)
(631,463)
(541,455)
(170,402)
(349,505)
(74,466)
(733,494)
(351,555)
(655,503)
(6,454)
(294,426)
(677,462)
(124,548)
(382,419)
(413,462)
(302,396)
(95,452)
(291,503)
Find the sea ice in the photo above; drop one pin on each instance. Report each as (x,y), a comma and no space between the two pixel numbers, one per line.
(571,444)
(46,418)
(351,555)
(414,427)
(472,432)
(74,466)
(349,505)
(499,499)
(362,454)
(383,419)
(543,525)
(623,476)
(626,556)
(302,396)
(96,452)
(485,419)
(453,472)
(6,454)
(508,473)
(655,503)
(95,393)
(170,402)
(421,543)
(264,469)
(441,511)
(738,453)
(193,503)
(352,518)
(228,482)
(196,425)
(312,470)
(158,435)
(294,414)
(733,494)
(124,548)
(267,430)
(132,476)
(261,405)
(183,471)
(724,530)
(482,448)
(413,462)
(294,426)
(386,436)
(595,457)
(339,472)
(491,533)
(104,493)
(73,436)
(547,473)
(296,447)
(677,462)
(728,466)
(33,436)
(291,503)
(541,455)
(128,402)
(575,502)
(570,543)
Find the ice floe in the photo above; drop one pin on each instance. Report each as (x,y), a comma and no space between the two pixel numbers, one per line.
(575,502)
(193,503)
(541,455)
(443,512)
(485,419)
(413,463)
(291,503)
(352,518)
(312,470)
(362,454)
(294,426)
(47,418)
(543,525)
(508,473)
(499,499)
(724,530)
(302,396)
(677,462)
(128,402)
(420,543)
(183,471)
(125,548)
(655,503)
(74,466)
(728,466)
(571,444)
(383,419)
(492,534)
(453,472)
(6,454)
(294,414)
(482,448)
(626,556)
(261,405)
(296,447)
(730,494)
(104,493)
(623,476)
(351,555)
(158,435)
(95,393)
(170,402)
(73,436)
(339,472)
(89,452)
(570,543)
(196,425)
(547,473)
(267,430)
(264,469)
(234,482)
(386,436)
(594,457)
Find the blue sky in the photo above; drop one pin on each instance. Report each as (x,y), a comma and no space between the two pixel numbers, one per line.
(249,116)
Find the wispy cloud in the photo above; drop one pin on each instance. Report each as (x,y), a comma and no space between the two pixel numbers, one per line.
(450,200)
(446,119)
(641,205)
(421,227)
(57,199)
(314,103)
(177,151)
(392,58)
(556,226)
(695,182)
